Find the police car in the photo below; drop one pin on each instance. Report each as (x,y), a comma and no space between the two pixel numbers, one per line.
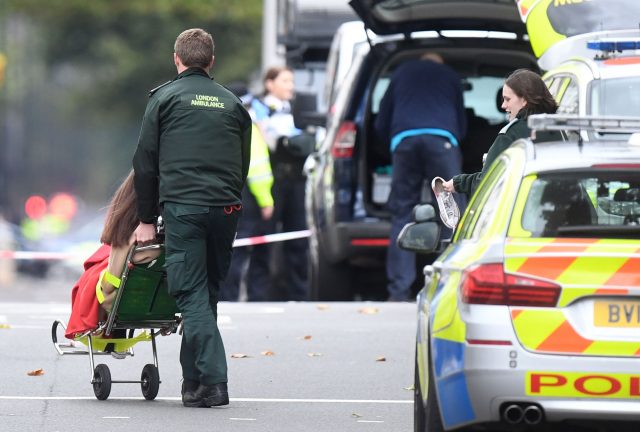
(531,314)
(605,84)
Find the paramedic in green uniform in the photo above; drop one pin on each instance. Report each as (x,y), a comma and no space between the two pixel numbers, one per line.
(192,159)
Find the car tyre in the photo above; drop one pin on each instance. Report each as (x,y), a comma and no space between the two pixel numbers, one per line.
(426,418)
(329,281)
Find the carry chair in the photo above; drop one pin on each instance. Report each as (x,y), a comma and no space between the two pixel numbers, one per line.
(142,302)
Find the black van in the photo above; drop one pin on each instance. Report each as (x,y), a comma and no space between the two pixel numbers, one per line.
(349,176)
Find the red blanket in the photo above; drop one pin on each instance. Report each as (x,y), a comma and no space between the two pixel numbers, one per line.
(84,303)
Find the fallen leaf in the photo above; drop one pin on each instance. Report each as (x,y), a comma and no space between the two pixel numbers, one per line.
(314,354)
(381,359)
(322,306)
(239,356)
(36,372)
(268,353)
(368,310)
(307,337)
(410,388)
(355,415)
(5,326)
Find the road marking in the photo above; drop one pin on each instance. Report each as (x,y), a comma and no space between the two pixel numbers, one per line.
(115,417)
(336,401)
(242,419)
(370,421)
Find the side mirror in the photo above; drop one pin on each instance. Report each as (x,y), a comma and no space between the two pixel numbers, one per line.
(423,237)
(424,213)
(304,110)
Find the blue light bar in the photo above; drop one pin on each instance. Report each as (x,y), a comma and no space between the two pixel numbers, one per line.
(613,45)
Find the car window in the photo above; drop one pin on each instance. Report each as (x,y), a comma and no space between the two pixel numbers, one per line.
(378,92)
(568,102)
(615,97)
(482,205)
(480,95)
(557,86)
(584,205)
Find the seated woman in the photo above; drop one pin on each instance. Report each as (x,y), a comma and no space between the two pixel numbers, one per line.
(92,296)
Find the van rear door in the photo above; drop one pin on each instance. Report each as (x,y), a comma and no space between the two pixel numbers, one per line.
(386,17)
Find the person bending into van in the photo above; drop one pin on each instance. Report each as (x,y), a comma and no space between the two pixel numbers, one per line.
(523,94)
(422,116)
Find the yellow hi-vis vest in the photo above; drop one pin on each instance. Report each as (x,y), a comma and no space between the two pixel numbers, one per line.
(260,178)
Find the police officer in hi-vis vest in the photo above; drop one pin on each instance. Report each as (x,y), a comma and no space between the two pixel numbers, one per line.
(192,159)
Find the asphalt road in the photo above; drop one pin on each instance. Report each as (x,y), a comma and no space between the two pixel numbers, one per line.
(324,374)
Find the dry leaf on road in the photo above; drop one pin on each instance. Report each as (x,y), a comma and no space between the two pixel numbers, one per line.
(368,310)
(5,326)
(238,355)
(356,415)
(322,306)
(37,372)
(381,359)
(410,388)
(307,337)
(314,354)
(267,353)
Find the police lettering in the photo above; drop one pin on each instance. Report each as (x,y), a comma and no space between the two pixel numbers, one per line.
(590,385)
(207,101)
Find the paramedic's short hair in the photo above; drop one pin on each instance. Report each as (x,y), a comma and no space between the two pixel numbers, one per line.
(195,48)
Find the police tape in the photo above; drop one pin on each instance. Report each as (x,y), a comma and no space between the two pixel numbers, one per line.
(249,241)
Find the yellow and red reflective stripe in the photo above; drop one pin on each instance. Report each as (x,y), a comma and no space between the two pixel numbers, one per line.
(555,334)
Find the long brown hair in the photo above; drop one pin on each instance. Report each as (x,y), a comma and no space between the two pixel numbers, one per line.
(122,218)
(529,86)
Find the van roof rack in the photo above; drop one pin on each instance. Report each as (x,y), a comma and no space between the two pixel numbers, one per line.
(602,124)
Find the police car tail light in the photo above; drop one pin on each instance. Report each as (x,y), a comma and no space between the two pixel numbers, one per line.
(489,284)
(345,141)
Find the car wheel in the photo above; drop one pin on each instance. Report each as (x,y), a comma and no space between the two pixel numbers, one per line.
(329,281)
(432,419)
(419,419)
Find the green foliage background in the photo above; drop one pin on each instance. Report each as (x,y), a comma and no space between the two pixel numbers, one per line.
(78,76)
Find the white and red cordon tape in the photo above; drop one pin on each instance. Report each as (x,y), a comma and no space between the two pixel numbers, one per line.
(249,241)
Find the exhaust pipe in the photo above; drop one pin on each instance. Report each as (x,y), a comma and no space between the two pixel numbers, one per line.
(513,414)
(532,415)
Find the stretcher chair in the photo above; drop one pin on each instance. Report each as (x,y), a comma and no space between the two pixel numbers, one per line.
(142,303)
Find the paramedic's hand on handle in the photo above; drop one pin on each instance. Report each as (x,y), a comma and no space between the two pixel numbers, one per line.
(448,186)
(266,212)
(145,233)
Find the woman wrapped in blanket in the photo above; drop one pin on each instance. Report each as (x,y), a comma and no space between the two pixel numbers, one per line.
(92,296)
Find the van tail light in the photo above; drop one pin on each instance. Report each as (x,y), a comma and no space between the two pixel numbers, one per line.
(345,141)
(489,284)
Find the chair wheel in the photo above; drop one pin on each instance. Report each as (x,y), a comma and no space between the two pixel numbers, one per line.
(102,382)
(150,382)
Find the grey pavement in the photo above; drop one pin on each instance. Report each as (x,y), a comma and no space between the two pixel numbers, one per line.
(330,380)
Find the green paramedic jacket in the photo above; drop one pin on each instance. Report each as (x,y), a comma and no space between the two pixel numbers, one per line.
(516,129)
(194,145)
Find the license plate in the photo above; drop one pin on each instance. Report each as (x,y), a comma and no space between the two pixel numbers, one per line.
(616,313)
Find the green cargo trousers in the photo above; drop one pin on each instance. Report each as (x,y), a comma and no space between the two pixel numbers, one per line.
(198,244)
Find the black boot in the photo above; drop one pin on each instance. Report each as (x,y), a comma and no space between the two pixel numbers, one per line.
(207,396)
(188,385)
